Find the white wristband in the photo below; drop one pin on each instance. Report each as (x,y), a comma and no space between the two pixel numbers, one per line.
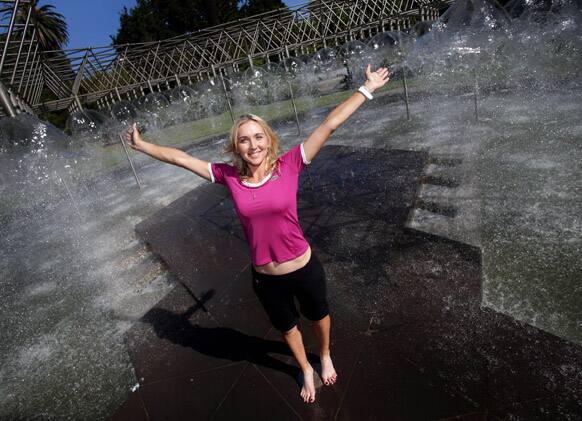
(365,92)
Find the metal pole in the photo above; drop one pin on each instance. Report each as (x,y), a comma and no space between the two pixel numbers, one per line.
(34,98)
(27,57)
(294,108)
(405,85)
(226,96)
(35,91)
(129,159)
(71,195)
(78,102)
(35,68)
(6,102)
(20,46)
(12,19)
(475,94)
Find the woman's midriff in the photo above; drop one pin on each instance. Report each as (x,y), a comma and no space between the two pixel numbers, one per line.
(276,268)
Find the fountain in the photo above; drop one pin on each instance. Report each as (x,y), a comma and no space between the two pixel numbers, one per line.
(124,112)
(495,101)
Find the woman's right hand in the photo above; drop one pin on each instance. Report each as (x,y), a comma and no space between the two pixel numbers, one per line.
(133,137)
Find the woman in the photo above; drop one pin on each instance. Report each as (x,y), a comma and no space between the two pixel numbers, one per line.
(264,189)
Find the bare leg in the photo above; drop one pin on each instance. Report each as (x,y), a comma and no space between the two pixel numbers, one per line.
(295,341)
(322,329)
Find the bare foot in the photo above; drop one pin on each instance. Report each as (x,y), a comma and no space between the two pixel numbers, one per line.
(328,374)
(308,389)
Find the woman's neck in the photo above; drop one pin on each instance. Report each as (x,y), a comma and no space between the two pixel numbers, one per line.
(257,173)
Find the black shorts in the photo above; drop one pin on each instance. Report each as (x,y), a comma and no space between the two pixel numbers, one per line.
(276,293)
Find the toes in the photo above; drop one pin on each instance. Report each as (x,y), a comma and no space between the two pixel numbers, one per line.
(330,380)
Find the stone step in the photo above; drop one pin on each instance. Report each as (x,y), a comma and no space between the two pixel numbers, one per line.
(446,206)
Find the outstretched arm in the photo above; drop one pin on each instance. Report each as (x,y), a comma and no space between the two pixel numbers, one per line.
(374,80)
(166,154)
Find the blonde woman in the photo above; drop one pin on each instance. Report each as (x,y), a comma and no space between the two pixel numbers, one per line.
(263,186)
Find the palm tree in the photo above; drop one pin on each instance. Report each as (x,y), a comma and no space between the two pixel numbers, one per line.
(51,28)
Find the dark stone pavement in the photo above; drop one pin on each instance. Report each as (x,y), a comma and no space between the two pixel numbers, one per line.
(410,339)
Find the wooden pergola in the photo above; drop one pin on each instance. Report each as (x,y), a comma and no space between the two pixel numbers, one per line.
(105,75)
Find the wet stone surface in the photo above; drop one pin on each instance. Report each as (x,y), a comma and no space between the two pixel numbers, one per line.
(410,338)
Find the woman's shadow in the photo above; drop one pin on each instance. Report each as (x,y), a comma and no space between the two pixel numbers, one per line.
(220,342)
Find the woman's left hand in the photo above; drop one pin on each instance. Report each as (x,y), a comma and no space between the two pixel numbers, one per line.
(375,80)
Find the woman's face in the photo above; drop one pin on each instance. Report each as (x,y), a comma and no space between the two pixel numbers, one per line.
(252,143)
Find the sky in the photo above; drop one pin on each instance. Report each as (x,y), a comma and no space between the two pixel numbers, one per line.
(91,26)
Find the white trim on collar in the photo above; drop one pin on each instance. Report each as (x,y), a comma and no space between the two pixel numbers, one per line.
(260,183)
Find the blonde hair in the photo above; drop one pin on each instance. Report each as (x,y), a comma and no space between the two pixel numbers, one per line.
(231,147)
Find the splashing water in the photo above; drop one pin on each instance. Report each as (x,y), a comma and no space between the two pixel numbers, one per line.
(75,277)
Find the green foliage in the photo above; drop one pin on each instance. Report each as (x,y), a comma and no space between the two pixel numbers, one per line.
(255,7)
(51,28)
(56,118)
(154,20)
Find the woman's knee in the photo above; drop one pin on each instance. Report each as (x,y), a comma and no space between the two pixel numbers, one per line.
(290,332)
(322,320)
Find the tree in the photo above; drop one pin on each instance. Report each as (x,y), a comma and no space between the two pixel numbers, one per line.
(255,7)
(153,20)
(51,27)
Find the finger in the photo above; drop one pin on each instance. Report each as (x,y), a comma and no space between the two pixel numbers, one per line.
(369,70)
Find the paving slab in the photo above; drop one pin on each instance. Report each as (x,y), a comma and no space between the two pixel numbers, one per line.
(410,337)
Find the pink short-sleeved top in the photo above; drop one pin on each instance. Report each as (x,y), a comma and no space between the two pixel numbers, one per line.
(268,210)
